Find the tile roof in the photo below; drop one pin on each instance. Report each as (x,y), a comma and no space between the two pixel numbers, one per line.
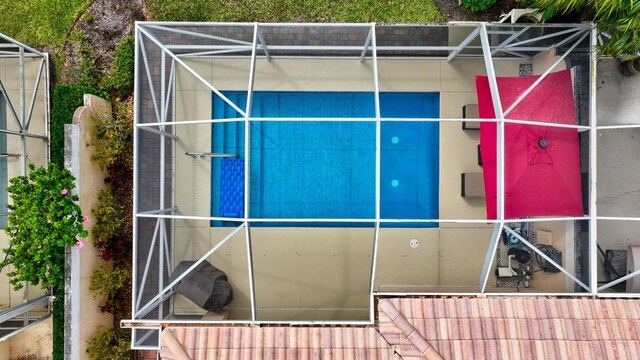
(182,343)
(511,328)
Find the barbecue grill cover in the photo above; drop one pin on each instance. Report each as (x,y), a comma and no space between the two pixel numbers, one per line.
(206,285)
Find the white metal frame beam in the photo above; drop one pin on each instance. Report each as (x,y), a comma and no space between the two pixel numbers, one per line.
(509,46)
(22,117)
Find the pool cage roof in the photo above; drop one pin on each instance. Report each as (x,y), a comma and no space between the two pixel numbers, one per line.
(162,48)
(24,102)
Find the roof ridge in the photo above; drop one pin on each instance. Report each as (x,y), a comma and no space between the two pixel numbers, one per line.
(173,345)
(424,347)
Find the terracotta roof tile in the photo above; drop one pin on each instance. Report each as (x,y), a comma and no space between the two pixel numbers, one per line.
(466,328)
(521,328)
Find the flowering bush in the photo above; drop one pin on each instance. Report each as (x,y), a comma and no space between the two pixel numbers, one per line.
(44,218)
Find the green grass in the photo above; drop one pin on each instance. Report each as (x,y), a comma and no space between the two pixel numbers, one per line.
(389,11)
(38,23)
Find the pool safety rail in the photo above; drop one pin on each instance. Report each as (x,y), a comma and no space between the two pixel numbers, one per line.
(162,48)
(203,155)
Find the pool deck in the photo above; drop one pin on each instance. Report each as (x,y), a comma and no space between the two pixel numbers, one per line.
(337,261)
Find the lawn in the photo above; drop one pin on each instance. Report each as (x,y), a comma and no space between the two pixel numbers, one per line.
(406,11)
(38,23)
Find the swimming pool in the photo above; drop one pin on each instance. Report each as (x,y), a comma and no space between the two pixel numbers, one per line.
(326,169)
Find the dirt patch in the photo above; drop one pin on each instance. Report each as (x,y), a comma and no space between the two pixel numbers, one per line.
(95,35)
(454,12)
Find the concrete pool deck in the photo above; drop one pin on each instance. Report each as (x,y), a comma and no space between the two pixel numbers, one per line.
(289,263)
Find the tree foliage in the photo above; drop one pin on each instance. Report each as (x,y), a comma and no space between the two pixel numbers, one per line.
(618,20)
(66,99)
(44,218)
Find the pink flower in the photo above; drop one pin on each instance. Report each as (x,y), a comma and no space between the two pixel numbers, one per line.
(85,218)
(79,244)
(69,216)
(64,192)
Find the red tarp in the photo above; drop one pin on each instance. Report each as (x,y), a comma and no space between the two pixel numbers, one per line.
(542,163)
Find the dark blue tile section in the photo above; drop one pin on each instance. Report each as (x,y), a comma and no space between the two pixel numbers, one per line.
(232,188)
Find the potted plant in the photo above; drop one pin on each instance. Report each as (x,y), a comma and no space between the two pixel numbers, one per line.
(630,67)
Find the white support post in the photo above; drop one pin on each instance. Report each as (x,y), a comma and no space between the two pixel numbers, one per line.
(619,280)
(147,265)
(593,169)
(252,287)
(147,69)
(464,43)
(490,256)
(376,98)
(546,257)
(215,52)
(135,299)
(372,278)
(510,39)
(247,168)
(366,44)
(156,131)
(163,71)
(34,95)
(169,95)
(568,39)
(196,34)
(12,110)
(23,104)
(263,45)
(497,108)
(555,34)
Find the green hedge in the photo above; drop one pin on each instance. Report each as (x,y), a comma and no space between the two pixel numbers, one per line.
(120,77)
(66,99)
(58,325)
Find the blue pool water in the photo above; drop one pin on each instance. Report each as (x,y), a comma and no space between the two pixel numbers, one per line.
(310,169)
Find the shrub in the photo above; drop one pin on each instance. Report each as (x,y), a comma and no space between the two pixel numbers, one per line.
(115,286)
(112,136)
(478,5)
(110,344)
(85,71)
(66,99)
(44,218)
(120,76)
(111,236)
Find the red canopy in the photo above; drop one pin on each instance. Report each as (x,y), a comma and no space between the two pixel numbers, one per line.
(542,163)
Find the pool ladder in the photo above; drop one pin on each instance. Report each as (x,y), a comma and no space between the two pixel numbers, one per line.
(202,155)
